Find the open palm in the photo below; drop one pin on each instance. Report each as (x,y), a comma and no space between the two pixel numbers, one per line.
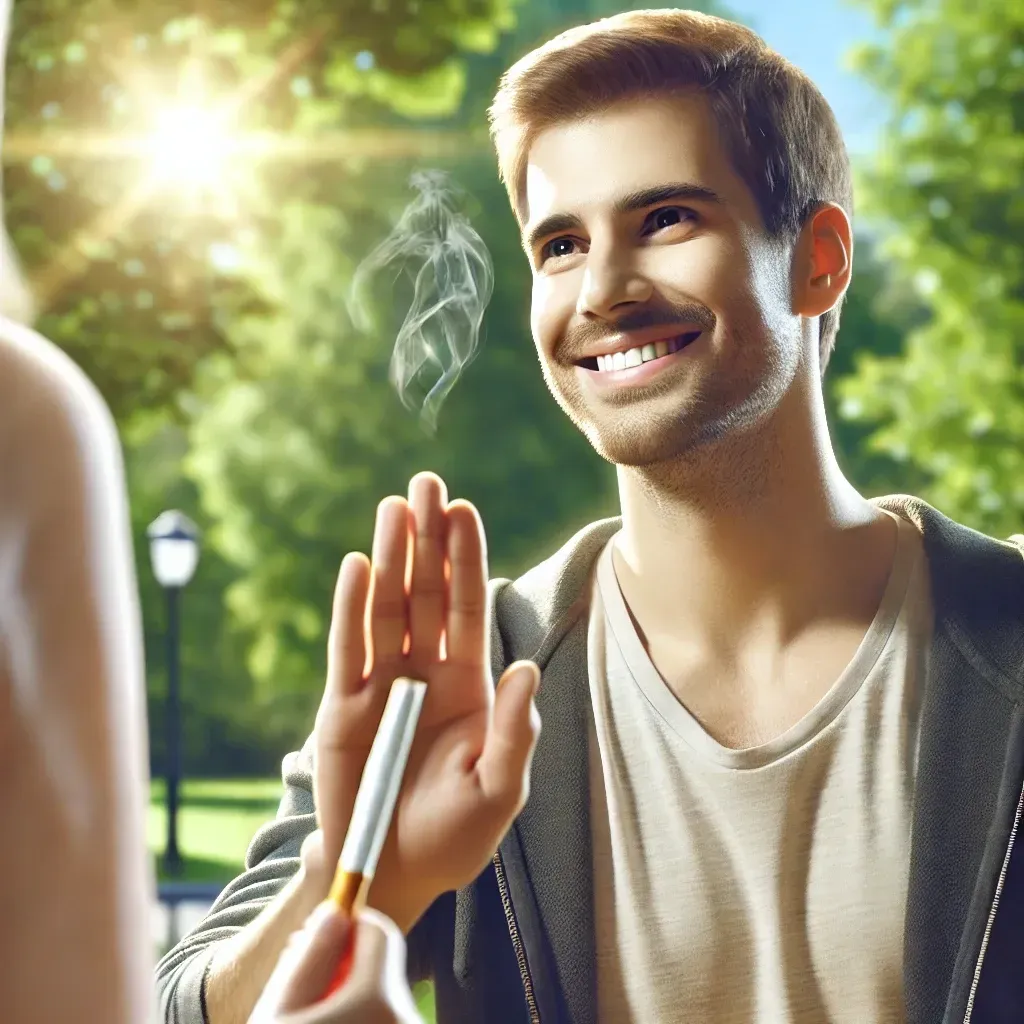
(420,610)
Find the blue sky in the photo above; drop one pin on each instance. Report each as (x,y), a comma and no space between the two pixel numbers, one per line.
(815,35)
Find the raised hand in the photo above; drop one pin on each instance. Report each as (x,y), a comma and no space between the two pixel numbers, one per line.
(420,610)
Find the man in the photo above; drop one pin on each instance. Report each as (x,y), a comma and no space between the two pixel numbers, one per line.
(781,767)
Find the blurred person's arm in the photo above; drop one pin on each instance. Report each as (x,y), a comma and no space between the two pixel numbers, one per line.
(75,887)
(215,975)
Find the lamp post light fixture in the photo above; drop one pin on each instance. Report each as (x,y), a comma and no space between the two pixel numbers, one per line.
(174,552)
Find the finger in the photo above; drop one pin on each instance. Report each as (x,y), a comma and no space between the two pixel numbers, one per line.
(388,603)
(346,645)
(308,963)
(378,942)
(365,977)
(466,625)
(378,960)
(397,994)
(503,769)
(376,989)
(427,499)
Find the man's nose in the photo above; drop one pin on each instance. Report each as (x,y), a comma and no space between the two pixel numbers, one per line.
(611,280)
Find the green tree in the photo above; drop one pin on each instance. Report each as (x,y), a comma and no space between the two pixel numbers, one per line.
(134,289)
(878,313)
(292,458)
(947,184)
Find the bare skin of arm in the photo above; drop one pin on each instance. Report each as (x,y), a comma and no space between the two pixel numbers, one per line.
(75,886)
(243,965)
(74,880)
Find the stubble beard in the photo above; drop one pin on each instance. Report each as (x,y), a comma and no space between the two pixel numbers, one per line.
(646,429)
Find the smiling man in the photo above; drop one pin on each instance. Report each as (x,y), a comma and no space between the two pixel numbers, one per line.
(780,773)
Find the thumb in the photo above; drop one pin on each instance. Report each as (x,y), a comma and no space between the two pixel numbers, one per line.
(504,765)
(306,971)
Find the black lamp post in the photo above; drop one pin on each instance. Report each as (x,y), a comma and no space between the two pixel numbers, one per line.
(174,551)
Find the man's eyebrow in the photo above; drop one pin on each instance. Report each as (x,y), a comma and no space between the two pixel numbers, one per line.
(629,203)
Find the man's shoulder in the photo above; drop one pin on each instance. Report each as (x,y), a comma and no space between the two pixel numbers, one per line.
(533,611)
(977,586)
(957,548)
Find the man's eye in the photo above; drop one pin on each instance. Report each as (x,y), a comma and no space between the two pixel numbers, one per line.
(668,216)
(557,247)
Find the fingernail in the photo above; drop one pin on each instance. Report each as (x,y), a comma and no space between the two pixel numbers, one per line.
(532,673)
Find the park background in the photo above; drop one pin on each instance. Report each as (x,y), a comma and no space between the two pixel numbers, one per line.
(208,306)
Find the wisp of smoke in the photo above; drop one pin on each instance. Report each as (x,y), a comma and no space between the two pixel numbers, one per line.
(439,254)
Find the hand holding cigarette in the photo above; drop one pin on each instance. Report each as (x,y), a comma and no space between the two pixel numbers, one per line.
(376,991)
(468,768)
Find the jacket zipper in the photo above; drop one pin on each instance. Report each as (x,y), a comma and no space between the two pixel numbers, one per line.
(517,942)
(524,970)
(993,909)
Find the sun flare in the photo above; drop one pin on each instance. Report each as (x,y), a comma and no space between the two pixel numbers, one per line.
(189,147)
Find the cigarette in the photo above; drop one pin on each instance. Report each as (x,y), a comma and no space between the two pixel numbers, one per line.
(377,795)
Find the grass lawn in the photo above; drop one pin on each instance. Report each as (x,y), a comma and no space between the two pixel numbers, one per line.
(216,821)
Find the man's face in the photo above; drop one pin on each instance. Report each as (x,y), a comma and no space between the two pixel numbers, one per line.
(642,237)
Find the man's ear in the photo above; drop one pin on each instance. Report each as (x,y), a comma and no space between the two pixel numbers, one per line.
(822,261)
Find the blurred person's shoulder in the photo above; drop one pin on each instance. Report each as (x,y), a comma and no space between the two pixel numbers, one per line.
(56,431)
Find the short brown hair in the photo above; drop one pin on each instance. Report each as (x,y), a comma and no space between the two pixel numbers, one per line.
(780,133)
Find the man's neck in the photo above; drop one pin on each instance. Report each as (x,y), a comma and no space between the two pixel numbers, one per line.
(743,546)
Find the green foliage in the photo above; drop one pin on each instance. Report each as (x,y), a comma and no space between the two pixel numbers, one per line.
(950,406)
(877,315)
(131,285)
(222,731)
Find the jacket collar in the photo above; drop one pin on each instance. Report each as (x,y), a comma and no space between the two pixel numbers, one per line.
(971,761)
(972,576)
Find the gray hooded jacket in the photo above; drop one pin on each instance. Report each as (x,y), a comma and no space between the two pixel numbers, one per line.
(517,946)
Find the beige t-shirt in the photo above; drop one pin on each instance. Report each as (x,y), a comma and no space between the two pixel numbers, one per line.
(766,885)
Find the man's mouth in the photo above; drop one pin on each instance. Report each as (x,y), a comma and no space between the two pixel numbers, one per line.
(641,354)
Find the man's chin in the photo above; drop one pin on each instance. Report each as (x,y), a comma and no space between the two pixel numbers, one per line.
(652,429)
(645,446)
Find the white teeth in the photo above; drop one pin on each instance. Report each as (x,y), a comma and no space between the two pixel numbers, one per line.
(636,356)
(633,357)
